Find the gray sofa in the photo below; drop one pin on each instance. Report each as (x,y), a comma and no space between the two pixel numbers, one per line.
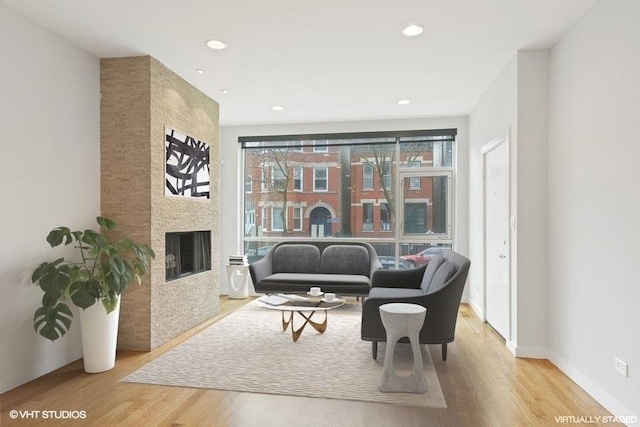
(344,268)
(437,286)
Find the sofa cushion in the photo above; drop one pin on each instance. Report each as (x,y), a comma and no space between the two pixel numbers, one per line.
(432,266)
(317,279)
(296,259)
(441,276)
(394,293)
(345,259)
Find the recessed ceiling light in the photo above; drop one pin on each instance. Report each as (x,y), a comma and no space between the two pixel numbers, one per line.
(199,71)
(225,91)
(412,30)
(277,108)
(216,44)
(404,102)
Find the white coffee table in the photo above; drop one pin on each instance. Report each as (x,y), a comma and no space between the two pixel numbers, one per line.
(305,311)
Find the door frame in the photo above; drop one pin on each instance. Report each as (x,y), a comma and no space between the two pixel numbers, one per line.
(487,148)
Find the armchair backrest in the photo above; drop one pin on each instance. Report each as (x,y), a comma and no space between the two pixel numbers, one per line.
(443,302)
(430,271)
(461,270)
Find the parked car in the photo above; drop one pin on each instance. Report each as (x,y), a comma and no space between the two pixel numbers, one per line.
(254,255)
(389,263)
(421,258)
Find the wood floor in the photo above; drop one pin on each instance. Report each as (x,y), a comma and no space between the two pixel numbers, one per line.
(481,381)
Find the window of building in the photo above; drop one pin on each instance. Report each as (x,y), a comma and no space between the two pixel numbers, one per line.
(249,219)
(248,184)
(297,218)
(386,174)
(320,147)
(278,179)
(277,219)
(414,183)
(297,179)
(367,216)
(367,176)
(263,180)
(385,217)
(320,179)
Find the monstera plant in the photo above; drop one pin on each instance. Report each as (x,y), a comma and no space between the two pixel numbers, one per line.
(103,271)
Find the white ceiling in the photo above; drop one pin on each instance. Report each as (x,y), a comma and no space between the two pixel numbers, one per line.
(323,60)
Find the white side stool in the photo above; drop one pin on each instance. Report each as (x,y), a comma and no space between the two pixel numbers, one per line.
(403,320)
(238,290)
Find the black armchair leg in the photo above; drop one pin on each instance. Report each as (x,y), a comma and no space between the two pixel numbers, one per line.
(374,349)
(444,352)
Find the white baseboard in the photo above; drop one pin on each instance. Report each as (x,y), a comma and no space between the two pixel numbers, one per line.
(597,392)
(39,370)
(528,352)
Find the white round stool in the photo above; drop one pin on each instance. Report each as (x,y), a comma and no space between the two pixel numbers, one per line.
(403,320)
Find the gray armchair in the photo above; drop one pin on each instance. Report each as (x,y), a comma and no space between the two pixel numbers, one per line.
(437,286)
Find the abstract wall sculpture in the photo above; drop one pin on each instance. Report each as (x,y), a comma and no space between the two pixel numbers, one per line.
(187,170)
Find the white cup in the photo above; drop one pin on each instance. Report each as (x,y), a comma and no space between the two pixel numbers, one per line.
(316,291)
(329,297)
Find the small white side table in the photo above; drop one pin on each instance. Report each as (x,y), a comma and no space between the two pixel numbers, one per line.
(403,320)
(238,290)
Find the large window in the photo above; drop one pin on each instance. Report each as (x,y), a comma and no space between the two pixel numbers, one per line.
(391,189)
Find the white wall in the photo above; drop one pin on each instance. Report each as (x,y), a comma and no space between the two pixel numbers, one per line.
(49,119)
(495,115)
(531,198)
(230,192)
(594,203)
(516,104)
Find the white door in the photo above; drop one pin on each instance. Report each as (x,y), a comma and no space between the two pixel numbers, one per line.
(496,222)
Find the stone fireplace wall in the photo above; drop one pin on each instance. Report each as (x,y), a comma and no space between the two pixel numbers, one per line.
(139,97)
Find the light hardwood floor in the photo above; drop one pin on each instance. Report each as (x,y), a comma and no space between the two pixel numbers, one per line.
(481,381)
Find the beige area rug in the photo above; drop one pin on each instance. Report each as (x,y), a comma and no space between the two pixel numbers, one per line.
(247,351)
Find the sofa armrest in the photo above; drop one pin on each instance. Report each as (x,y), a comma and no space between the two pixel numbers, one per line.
(398,278)
(375,265)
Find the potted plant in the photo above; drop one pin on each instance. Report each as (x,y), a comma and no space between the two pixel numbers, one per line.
(94,283)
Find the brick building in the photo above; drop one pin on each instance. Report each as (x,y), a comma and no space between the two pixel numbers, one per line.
(334,190)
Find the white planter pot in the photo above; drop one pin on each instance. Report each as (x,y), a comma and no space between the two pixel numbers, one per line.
(99,337)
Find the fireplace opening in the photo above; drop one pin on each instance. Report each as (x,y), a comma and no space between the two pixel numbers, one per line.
(187,253)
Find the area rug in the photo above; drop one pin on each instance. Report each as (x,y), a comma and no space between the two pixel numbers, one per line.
(247,351)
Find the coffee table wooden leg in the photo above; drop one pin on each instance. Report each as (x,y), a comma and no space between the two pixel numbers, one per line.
(285,324)
(320,327)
